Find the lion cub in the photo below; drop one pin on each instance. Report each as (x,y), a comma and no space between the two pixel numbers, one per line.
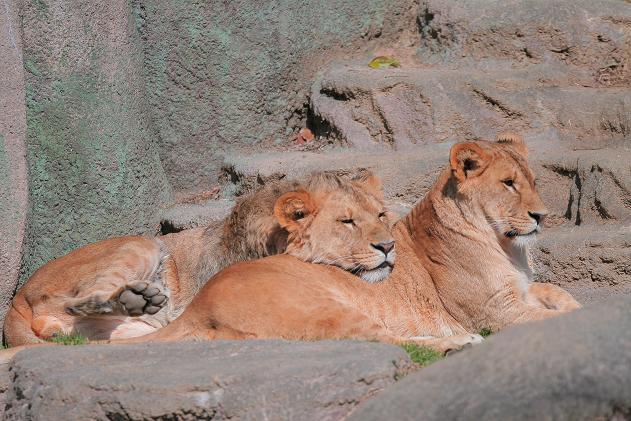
(130,286)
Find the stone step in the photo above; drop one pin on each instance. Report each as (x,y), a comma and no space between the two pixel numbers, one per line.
(592,262)
(400,108)
(182,216)
(240,380)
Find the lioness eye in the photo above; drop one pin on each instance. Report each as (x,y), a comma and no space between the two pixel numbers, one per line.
(382,215)
(508,182)
(347,221)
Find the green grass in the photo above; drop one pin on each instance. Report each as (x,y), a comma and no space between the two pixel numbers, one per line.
(486,332)
(422,355)
(69,339)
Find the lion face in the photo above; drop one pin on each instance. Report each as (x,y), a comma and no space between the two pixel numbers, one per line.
(347,227)
(497,179)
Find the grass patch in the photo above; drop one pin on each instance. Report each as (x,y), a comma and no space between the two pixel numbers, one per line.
(486,332)
(421,354)
(69,339)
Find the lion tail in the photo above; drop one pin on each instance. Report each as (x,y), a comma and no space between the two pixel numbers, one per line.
(17,324)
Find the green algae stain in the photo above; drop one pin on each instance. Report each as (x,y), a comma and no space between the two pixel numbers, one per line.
(41,6)
(31,67)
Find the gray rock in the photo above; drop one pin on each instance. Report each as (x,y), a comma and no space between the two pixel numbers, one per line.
(190,215)
(13,170)
(591,262)
(201,380)
(224,76)
(574,367)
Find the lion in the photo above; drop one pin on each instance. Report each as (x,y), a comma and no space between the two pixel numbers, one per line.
(461,267)
(130,286)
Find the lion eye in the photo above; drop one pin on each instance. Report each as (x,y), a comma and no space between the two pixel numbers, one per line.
(382,215)
(508,182)
(347,221)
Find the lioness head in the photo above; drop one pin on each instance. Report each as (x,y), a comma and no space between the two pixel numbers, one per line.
(347,227)
(496,177)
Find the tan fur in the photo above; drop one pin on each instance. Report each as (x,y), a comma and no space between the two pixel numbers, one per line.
(461,266)
(80,292)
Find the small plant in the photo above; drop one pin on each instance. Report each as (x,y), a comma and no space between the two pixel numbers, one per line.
(486,332)
(421,355)
(69,339)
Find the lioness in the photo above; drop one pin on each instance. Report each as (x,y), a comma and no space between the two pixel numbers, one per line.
(130,286)
(461,267)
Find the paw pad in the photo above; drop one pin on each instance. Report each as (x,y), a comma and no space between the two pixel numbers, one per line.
(140,298)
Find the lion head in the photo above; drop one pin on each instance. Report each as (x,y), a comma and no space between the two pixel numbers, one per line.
(347,226)
(496,176)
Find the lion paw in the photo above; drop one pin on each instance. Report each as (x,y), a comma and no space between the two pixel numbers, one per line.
(460,342)
(142,298)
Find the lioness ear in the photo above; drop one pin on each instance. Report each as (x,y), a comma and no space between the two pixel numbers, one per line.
(515,140)
(291,207)
(371,183)
(467,160)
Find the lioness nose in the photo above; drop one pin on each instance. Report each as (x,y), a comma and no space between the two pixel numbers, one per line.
(537,216)
(384,247)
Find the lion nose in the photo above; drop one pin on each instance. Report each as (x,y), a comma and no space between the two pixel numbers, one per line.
(537,216)
(385,248)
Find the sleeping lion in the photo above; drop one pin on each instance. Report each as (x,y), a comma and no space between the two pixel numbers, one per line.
(130,286)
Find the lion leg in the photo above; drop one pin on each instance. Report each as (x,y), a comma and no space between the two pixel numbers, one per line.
(551,296)
(442,345)
(115,294)
(532,314)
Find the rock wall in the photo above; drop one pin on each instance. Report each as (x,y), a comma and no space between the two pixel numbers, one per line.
(13,172)
(225,75)
(94,169)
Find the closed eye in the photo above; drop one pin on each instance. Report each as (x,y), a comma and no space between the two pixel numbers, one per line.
(347,221)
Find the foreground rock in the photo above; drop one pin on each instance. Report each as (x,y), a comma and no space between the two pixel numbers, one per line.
(575,367)
(201,380)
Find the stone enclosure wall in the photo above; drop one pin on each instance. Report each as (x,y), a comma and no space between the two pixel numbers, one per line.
(113,113)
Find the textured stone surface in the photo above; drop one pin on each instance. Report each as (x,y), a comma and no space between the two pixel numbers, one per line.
(232,74)
(574,367)
(94,171)
(13,172)
(201,380)
(191,215)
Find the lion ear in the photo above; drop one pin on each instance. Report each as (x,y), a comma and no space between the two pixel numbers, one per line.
(515,140)
(467,160)
(291,207)
(368,181)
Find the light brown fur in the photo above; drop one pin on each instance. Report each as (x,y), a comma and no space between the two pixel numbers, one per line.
(461,266)
(80,292)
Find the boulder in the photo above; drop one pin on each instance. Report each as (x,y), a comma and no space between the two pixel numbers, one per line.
(201,380)
(573,367)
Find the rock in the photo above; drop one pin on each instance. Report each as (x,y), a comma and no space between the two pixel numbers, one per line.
(94,170)
(587,36)
(4,386)
(190,215)
(13,170)
(225,76)
(591,262)
(201,380)
(574,367)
